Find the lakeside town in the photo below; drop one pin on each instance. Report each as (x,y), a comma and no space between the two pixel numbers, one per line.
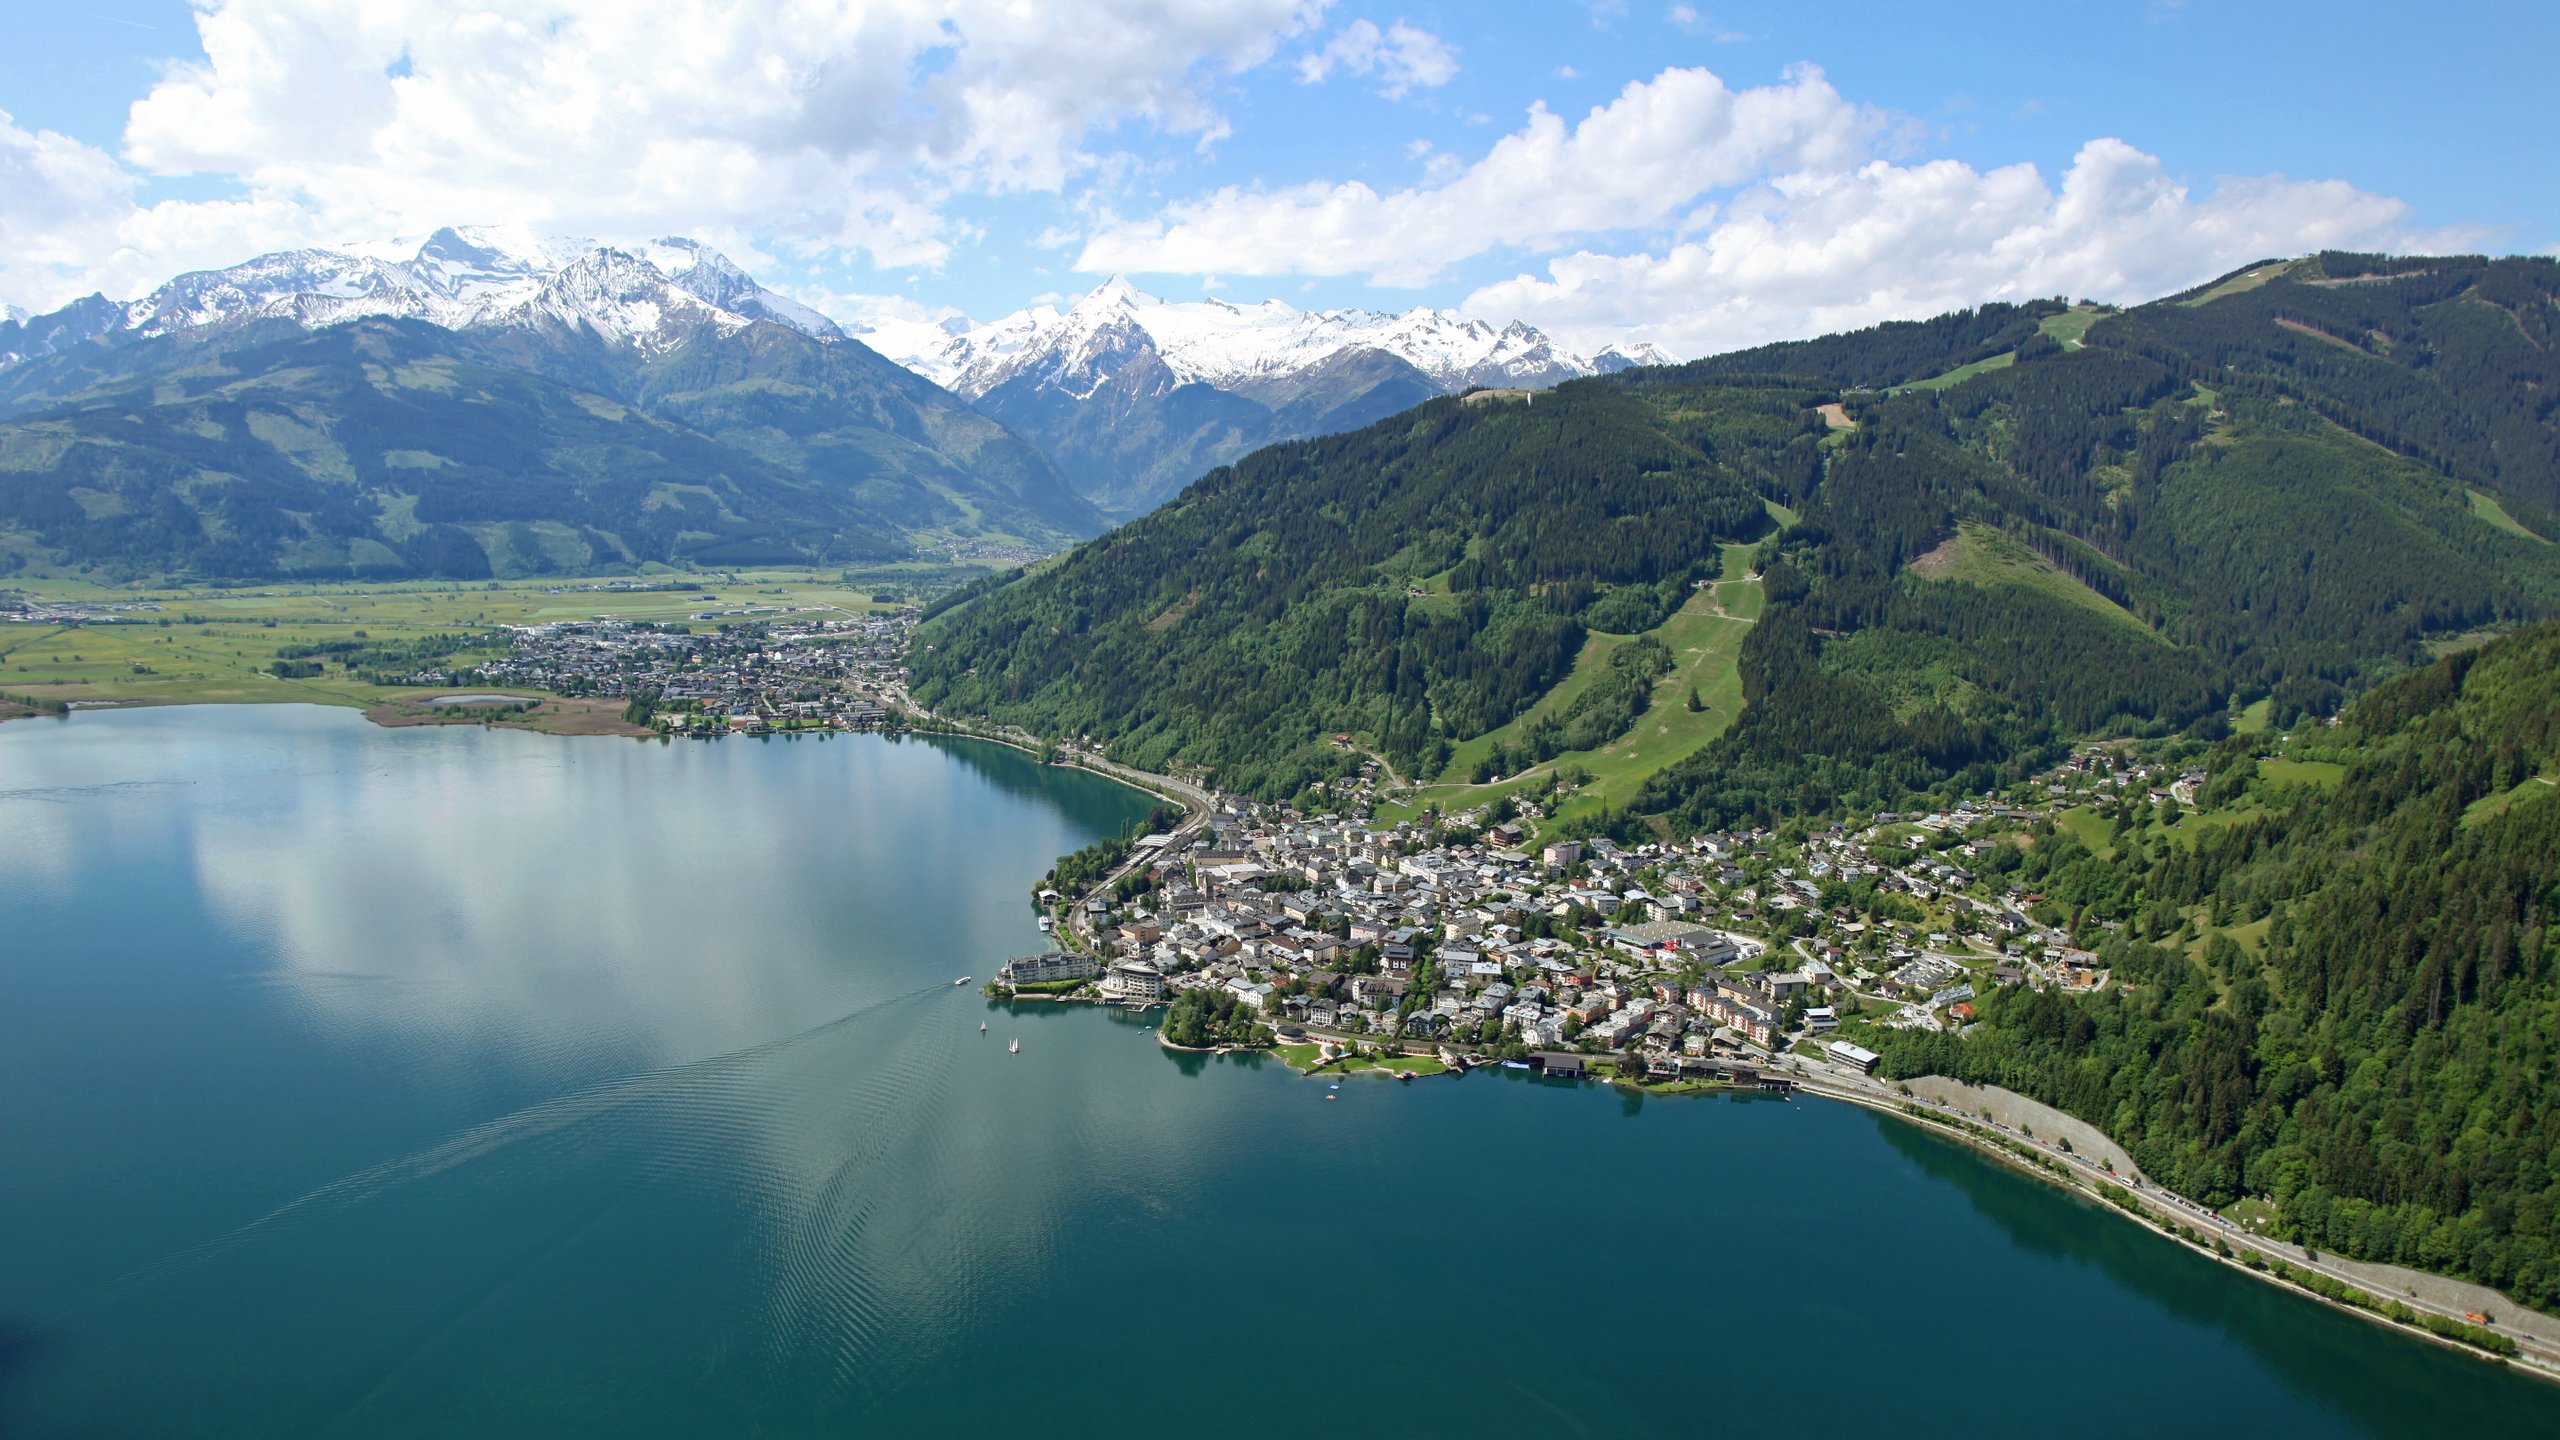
(1707,958)
(1725,961)
(751,675)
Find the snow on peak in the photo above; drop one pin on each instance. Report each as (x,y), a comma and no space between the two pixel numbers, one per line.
(1115,293)
(495,276)
(1226,344)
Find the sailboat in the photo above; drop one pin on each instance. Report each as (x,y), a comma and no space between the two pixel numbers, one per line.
(982,1027)
(1015,1048)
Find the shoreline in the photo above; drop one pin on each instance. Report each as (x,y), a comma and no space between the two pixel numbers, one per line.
(1964,1131)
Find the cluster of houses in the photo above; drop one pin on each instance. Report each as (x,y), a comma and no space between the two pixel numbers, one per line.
(1709,951)
(18,607)
(754,677)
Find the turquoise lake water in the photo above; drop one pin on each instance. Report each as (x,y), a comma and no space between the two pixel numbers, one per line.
(444,1082)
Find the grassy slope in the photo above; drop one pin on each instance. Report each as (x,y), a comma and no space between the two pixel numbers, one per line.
(2533,787)
(1705,636)
(1980,555)
(223,658)
(2249,280)
(2487,508)
(2324,773)
(2071,324)
(2066,327)
(1962,373)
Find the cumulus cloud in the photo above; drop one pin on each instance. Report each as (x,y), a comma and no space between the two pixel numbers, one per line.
(62,196)
(1637,162)
(70,224)
(1400,56)
(1703,218)
(832,127)
(1816,252)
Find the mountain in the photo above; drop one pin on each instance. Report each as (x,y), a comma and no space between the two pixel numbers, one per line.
(1133,397)
(1974,538)
(460,278)
(299,414)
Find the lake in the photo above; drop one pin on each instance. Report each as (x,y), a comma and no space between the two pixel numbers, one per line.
(456,1081)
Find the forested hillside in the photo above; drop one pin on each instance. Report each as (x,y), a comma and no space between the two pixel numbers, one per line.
(1421,580)
(2238,499)
(2125,523)
(2344,999)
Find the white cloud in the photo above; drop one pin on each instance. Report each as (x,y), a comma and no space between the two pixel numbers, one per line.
(1686,18)
(824,127)
(1401,56)
(70,226)
(1815,252)
(1635,163)
(63,196)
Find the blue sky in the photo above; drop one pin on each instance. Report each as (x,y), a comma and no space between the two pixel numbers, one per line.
(1697,175)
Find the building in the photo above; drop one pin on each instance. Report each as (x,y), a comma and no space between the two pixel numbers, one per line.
(1855,1055)
(1675,938)
(1047,969)
(1134,980)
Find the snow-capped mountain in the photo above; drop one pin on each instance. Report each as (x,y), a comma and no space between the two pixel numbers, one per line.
(650,296)
(1130,397)
(1133,397)
(1230,346)
(579,406)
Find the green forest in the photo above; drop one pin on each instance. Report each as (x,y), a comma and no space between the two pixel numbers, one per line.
(2349,999)
(1410,584)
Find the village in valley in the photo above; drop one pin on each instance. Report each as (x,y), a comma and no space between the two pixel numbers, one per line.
(752,675)
(1441,942)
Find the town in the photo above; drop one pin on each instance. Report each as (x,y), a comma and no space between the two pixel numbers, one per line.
(753,676)
(1707,959)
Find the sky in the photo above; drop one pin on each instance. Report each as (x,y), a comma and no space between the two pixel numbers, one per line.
(1698,176)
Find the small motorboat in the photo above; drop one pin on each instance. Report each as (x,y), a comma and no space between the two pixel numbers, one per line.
(1016,1047)
(963,980)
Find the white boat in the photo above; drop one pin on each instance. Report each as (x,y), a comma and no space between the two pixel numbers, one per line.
(963,980)
(982,1027)
(1015,1048)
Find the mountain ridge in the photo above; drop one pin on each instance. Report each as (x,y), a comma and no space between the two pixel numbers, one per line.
(1133,396)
